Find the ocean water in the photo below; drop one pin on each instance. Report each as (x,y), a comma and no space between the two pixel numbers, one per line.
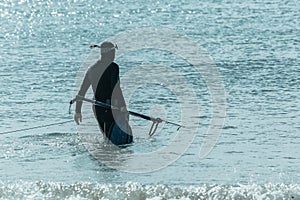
(254,63)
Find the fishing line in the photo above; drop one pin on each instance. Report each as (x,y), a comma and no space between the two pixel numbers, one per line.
(41,126)
(37,127)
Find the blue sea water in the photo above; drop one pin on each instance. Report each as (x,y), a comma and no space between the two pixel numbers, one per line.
(255,48)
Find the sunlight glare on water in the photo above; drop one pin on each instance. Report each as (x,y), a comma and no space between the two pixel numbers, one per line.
(255,46)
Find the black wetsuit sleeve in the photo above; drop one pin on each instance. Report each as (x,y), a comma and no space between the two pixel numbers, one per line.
(114,76)
(115,81)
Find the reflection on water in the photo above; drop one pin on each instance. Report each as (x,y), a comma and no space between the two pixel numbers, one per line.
(254,45)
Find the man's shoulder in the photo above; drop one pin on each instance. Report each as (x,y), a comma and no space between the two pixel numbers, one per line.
(114,64)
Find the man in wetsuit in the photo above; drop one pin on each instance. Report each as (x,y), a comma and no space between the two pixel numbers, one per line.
(104,78)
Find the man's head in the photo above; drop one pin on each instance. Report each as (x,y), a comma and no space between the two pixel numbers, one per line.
(108,50)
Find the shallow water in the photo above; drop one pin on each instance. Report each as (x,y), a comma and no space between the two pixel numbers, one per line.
(255,46)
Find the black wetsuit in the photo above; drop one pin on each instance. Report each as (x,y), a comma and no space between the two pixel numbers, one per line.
(108,91)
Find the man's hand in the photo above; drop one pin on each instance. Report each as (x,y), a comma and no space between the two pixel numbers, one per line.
(78,118)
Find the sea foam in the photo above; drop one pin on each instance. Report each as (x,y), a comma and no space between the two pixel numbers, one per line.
(130,190)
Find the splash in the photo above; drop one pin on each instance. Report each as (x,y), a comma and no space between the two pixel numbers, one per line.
(130,190)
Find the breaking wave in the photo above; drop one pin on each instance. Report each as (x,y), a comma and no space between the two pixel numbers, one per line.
(57,190)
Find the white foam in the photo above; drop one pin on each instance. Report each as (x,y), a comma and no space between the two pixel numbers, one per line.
(57,190)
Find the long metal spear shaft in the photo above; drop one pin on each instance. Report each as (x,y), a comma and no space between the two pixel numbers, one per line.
(98,103)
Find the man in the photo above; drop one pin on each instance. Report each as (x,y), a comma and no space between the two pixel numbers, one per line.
(103,76)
